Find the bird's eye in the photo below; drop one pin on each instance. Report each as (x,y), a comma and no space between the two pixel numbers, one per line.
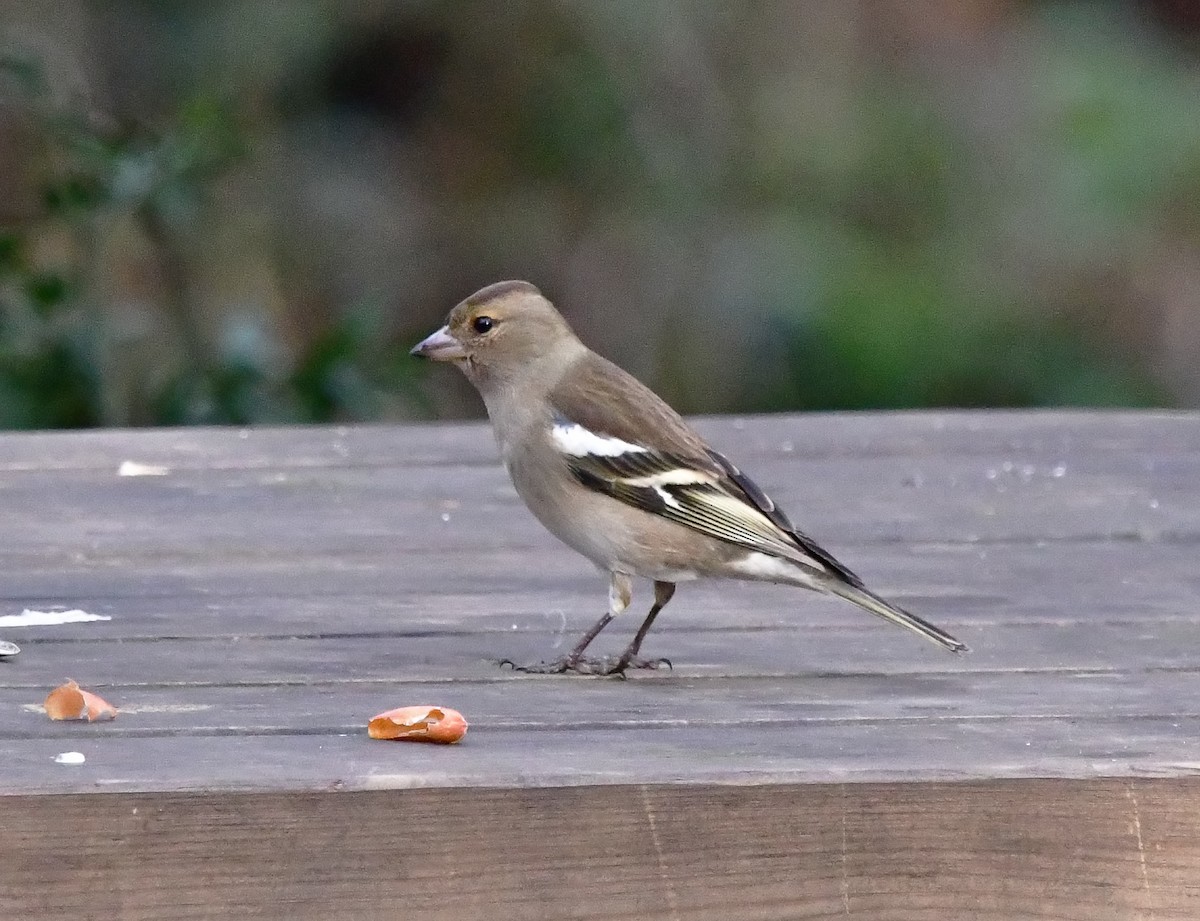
(483,324)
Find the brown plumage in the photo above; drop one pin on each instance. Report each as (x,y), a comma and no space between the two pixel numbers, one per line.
(615,473)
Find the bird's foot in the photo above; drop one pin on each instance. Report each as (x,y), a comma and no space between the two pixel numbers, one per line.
(581,665)
(555,667)
(618,666)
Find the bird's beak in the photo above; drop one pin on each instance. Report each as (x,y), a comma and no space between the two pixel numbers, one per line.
(441,346)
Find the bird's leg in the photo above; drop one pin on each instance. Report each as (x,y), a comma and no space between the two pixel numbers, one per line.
(629,658)
(620,593)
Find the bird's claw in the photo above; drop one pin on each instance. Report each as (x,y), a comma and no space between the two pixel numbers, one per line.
(609,666)
(619,666)
(555,667)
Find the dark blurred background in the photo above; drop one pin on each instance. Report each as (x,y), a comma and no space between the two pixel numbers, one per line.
(243,212)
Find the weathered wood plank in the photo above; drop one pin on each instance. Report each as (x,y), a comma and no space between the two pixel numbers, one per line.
(1043,435)
(1095,851)
(865,649)
(911,751)
(668,703)
(385,594)
(278,587)
(854,500)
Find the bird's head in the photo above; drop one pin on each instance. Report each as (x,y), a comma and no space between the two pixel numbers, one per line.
(500,331)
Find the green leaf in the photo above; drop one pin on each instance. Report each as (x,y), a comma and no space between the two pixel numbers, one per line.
(11,252)
(46,290)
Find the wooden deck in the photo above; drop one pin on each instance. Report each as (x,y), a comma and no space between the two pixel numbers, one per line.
(276,588)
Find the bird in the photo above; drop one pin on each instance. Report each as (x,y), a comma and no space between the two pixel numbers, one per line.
(619,476)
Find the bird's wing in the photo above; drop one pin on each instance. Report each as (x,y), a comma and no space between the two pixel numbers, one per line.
(621,439)
(752,494)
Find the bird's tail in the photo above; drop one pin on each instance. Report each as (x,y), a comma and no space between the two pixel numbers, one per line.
(869,601)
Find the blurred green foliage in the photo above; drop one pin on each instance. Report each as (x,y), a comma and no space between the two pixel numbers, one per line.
(60,352)
(754,206)
(908,307)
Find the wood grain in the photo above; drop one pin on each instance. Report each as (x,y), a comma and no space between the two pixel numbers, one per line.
(277,587)
(993,850)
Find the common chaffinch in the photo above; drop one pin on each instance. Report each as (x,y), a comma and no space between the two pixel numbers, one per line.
(616,474)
